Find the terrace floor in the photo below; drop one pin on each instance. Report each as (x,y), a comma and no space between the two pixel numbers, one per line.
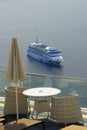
(49,125)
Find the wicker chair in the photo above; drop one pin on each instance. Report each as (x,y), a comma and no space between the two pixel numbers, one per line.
(66,109)
(10,101)
(41,106)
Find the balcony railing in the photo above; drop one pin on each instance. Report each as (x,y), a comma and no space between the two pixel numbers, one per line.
(66,85)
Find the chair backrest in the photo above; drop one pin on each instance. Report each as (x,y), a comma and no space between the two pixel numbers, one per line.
(10,101)
(66,109)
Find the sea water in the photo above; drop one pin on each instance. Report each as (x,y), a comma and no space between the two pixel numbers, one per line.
(61,24)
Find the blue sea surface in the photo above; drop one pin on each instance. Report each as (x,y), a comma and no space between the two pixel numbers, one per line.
(61,24)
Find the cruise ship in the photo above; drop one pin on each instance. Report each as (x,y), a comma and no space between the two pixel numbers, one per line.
(45,53)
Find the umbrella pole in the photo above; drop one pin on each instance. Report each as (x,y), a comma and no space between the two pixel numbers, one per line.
(17,101)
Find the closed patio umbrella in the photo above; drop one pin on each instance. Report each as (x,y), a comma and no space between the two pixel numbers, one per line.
(15,70)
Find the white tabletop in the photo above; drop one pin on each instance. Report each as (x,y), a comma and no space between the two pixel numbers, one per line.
(41,92)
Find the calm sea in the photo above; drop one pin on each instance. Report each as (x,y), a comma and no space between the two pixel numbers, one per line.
(59,23)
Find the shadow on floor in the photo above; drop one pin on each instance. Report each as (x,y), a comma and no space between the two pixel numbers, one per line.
(49,125)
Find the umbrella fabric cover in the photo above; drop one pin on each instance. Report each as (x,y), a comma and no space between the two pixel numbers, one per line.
(15,69)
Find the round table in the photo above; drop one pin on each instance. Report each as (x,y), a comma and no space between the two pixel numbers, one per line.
(41,92)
